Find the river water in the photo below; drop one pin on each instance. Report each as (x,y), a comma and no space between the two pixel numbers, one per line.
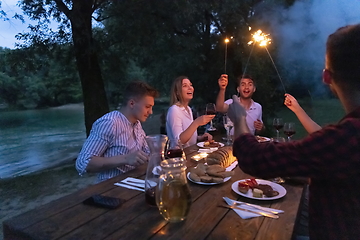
(32,140)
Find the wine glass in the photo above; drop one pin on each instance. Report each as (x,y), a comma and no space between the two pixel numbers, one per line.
(211,110)
(174,149)
(228,124)
(278,124)
(289,130)
(278,180)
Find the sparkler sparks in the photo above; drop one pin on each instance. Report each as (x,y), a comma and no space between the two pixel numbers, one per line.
(261,38)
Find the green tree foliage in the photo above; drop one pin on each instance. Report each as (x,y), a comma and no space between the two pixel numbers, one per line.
(77,16)
(154,41)
(172,38)
(38,79)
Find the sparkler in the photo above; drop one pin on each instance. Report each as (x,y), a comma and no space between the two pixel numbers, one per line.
(263,40)
(226,42)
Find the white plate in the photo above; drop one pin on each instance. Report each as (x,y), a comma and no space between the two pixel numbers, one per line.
(201,144)
(204,183)
(249,194)
(263,139)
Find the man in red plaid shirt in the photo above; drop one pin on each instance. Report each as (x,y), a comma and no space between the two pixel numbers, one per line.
(329,156)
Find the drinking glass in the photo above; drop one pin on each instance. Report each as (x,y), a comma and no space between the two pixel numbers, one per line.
(174,149)
(278,124)
(211,110)
(278,180)
(228,124)
(289,130)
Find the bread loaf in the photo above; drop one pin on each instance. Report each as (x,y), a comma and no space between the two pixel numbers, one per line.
(209,174)
(222,157)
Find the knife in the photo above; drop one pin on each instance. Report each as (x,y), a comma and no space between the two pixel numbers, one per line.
(270,215)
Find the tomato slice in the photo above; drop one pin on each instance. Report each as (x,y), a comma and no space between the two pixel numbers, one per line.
(252,183)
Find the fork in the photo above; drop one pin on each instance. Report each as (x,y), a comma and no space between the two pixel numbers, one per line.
(234,203)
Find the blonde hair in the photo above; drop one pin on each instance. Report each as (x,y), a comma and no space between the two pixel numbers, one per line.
(176,88)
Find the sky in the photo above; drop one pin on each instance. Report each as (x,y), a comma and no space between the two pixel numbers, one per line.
(8,29)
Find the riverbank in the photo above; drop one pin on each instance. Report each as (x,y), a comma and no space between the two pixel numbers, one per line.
(23,193)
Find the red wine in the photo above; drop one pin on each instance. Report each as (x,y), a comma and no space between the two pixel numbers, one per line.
(289,133)
(210,112)
(150,196)
(278,126)
(174,153)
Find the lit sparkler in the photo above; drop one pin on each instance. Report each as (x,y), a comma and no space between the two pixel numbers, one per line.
(226,42)
(263,40)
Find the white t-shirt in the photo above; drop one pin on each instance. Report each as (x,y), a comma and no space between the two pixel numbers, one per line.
(252,114)
(178,119)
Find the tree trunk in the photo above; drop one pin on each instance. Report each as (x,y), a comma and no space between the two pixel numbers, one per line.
(94,95)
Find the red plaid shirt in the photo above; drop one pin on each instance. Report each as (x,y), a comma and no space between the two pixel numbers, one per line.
(331,158)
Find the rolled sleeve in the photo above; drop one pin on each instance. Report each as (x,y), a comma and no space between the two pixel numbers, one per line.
(96,144)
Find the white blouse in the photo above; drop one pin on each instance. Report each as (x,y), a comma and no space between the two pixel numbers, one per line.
(178,119)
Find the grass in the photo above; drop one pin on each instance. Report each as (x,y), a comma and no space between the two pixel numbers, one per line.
(322,111)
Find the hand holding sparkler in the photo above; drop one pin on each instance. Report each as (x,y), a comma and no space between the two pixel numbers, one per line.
(292,103)
(223,81)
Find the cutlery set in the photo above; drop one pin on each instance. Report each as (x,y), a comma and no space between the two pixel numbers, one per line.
(267,212)
(132,183)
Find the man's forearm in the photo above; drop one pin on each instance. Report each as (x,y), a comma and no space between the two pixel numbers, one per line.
(98,164)
(220,101)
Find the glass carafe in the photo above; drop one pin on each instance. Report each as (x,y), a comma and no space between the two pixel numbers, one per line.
(173,196)
(157,145)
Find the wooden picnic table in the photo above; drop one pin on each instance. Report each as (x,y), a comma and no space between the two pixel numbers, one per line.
(69,218)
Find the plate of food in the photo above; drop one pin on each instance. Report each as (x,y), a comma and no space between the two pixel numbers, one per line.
(262,139)
(208,174)
(208,183)
(210,144)
(258,189)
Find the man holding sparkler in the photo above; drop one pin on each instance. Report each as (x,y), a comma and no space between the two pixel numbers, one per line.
(329,156)
(245,88)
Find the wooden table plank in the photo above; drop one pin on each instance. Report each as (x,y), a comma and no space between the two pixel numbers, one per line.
(284,226)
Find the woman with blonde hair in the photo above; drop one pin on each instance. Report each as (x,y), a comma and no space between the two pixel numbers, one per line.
(180,124)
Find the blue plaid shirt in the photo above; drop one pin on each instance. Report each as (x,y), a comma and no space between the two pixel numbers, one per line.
(112,135)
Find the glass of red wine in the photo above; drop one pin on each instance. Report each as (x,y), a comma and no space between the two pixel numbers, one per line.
(278,124)
(174,149)
(289,130)
(211,110)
